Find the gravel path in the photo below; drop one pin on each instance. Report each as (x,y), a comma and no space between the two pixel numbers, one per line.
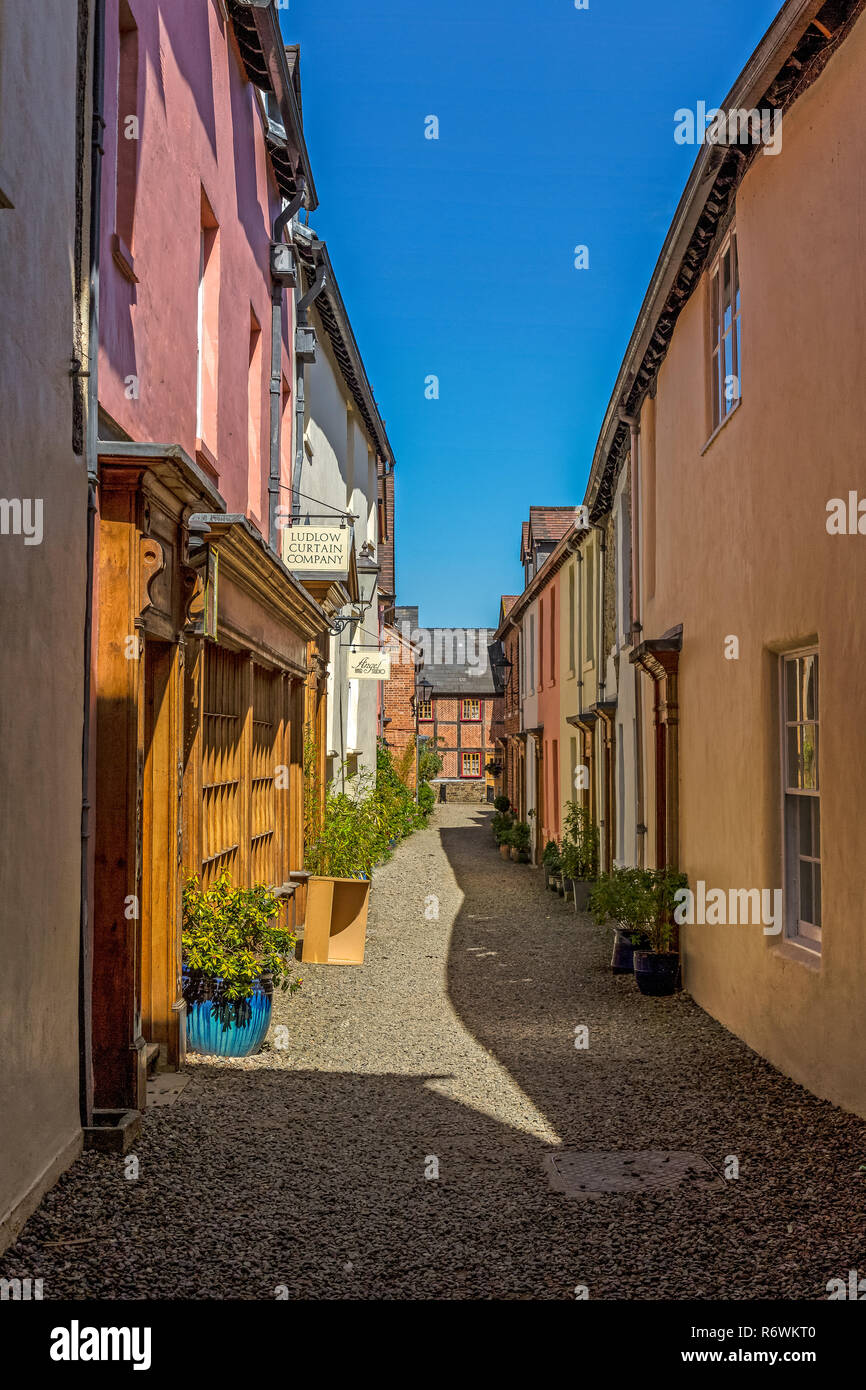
(305,1167)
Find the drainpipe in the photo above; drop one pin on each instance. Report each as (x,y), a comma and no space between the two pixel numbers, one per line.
(301,308)
(633,422)
(280,224)
(85,1082)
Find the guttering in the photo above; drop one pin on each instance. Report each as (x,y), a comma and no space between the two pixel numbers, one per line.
(339,329)
(782,36)
(267,27)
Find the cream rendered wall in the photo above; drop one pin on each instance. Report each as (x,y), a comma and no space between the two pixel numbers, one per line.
(42,609)
(337,471)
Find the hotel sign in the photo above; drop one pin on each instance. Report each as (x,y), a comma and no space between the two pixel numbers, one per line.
(369,664)
(317,549)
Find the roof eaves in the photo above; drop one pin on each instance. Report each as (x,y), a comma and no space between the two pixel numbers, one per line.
(716,173)
(339,329)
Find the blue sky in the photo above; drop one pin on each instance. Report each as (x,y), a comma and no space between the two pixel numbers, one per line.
(455,256)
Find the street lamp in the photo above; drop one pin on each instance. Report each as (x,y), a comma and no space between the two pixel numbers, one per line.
(423,693)
(501,667)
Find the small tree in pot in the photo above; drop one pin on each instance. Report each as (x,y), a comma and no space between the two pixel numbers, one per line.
(502,823)
(552,864)
(521,842)
(580,852)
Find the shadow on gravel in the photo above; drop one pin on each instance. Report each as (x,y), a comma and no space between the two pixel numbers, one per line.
(658,1073)
(318,1181)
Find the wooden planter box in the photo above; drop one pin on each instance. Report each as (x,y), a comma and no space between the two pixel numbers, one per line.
(335,926)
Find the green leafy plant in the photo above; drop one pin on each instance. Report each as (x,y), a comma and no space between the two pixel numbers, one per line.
(550,858)
(502,823)
(579,853)
(641,902)
(521,837)
(430,761)
(501,803)
(232,940)
(361,822)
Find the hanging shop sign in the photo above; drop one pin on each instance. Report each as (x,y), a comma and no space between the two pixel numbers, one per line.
(369,664)
(317,549)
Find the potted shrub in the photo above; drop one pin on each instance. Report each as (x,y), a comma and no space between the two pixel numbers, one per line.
(235,954)
(502,823)
(521,842)
(579,853)
(640,902)
(501,803)
(656,966)
(552,863)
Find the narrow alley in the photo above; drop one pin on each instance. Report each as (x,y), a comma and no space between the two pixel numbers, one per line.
(309,1171)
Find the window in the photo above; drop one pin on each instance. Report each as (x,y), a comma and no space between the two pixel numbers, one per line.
(571,619)
(802,799)
(553,637)
(470,709)
(425,709)
(589,615)
(532,652)
(207,363)
(255,452)
(725,331)
(470,764)
(541,644)
(126,169)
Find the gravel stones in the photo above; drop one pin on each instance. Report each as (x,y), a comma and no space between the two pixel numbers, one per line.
(451,1052)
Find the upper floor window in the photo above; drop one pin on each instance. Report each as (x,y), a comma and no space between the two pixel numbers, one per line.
(802,799)
(725,384)
(128,133)
(470,709)
(470,764)
(425,709)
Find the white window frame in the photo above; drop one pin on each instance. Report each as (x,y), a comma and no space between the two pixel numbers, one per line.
(805,934)
(721,407)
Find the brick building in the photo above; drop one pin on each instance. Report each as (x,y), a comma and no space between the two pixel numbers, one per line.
(460,712)
(397,694)
(507,719)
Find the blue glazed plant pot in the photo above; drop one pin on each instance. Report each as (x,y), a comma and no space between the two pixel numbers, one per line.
(239,1035)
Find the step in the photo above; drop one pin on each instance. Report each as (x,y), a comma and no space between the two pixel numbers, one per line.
(151,1057)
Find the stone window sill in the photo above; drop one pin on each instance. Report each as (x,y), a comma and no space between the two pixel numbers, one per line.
(801,955)
(717,431)
(206,459)
(123,258)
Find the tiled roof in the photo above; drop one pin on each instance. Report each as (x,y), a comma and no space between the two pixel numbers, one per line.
(551,523)
(445,660)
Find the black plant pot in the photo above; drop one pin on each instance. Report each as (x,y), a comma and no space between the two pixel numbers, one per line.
(656,971)
(582,887)
(622,960)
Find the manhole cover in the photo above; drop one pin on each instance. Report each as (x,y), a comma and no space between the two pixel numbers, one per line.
(164,1088)
(592,1174)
